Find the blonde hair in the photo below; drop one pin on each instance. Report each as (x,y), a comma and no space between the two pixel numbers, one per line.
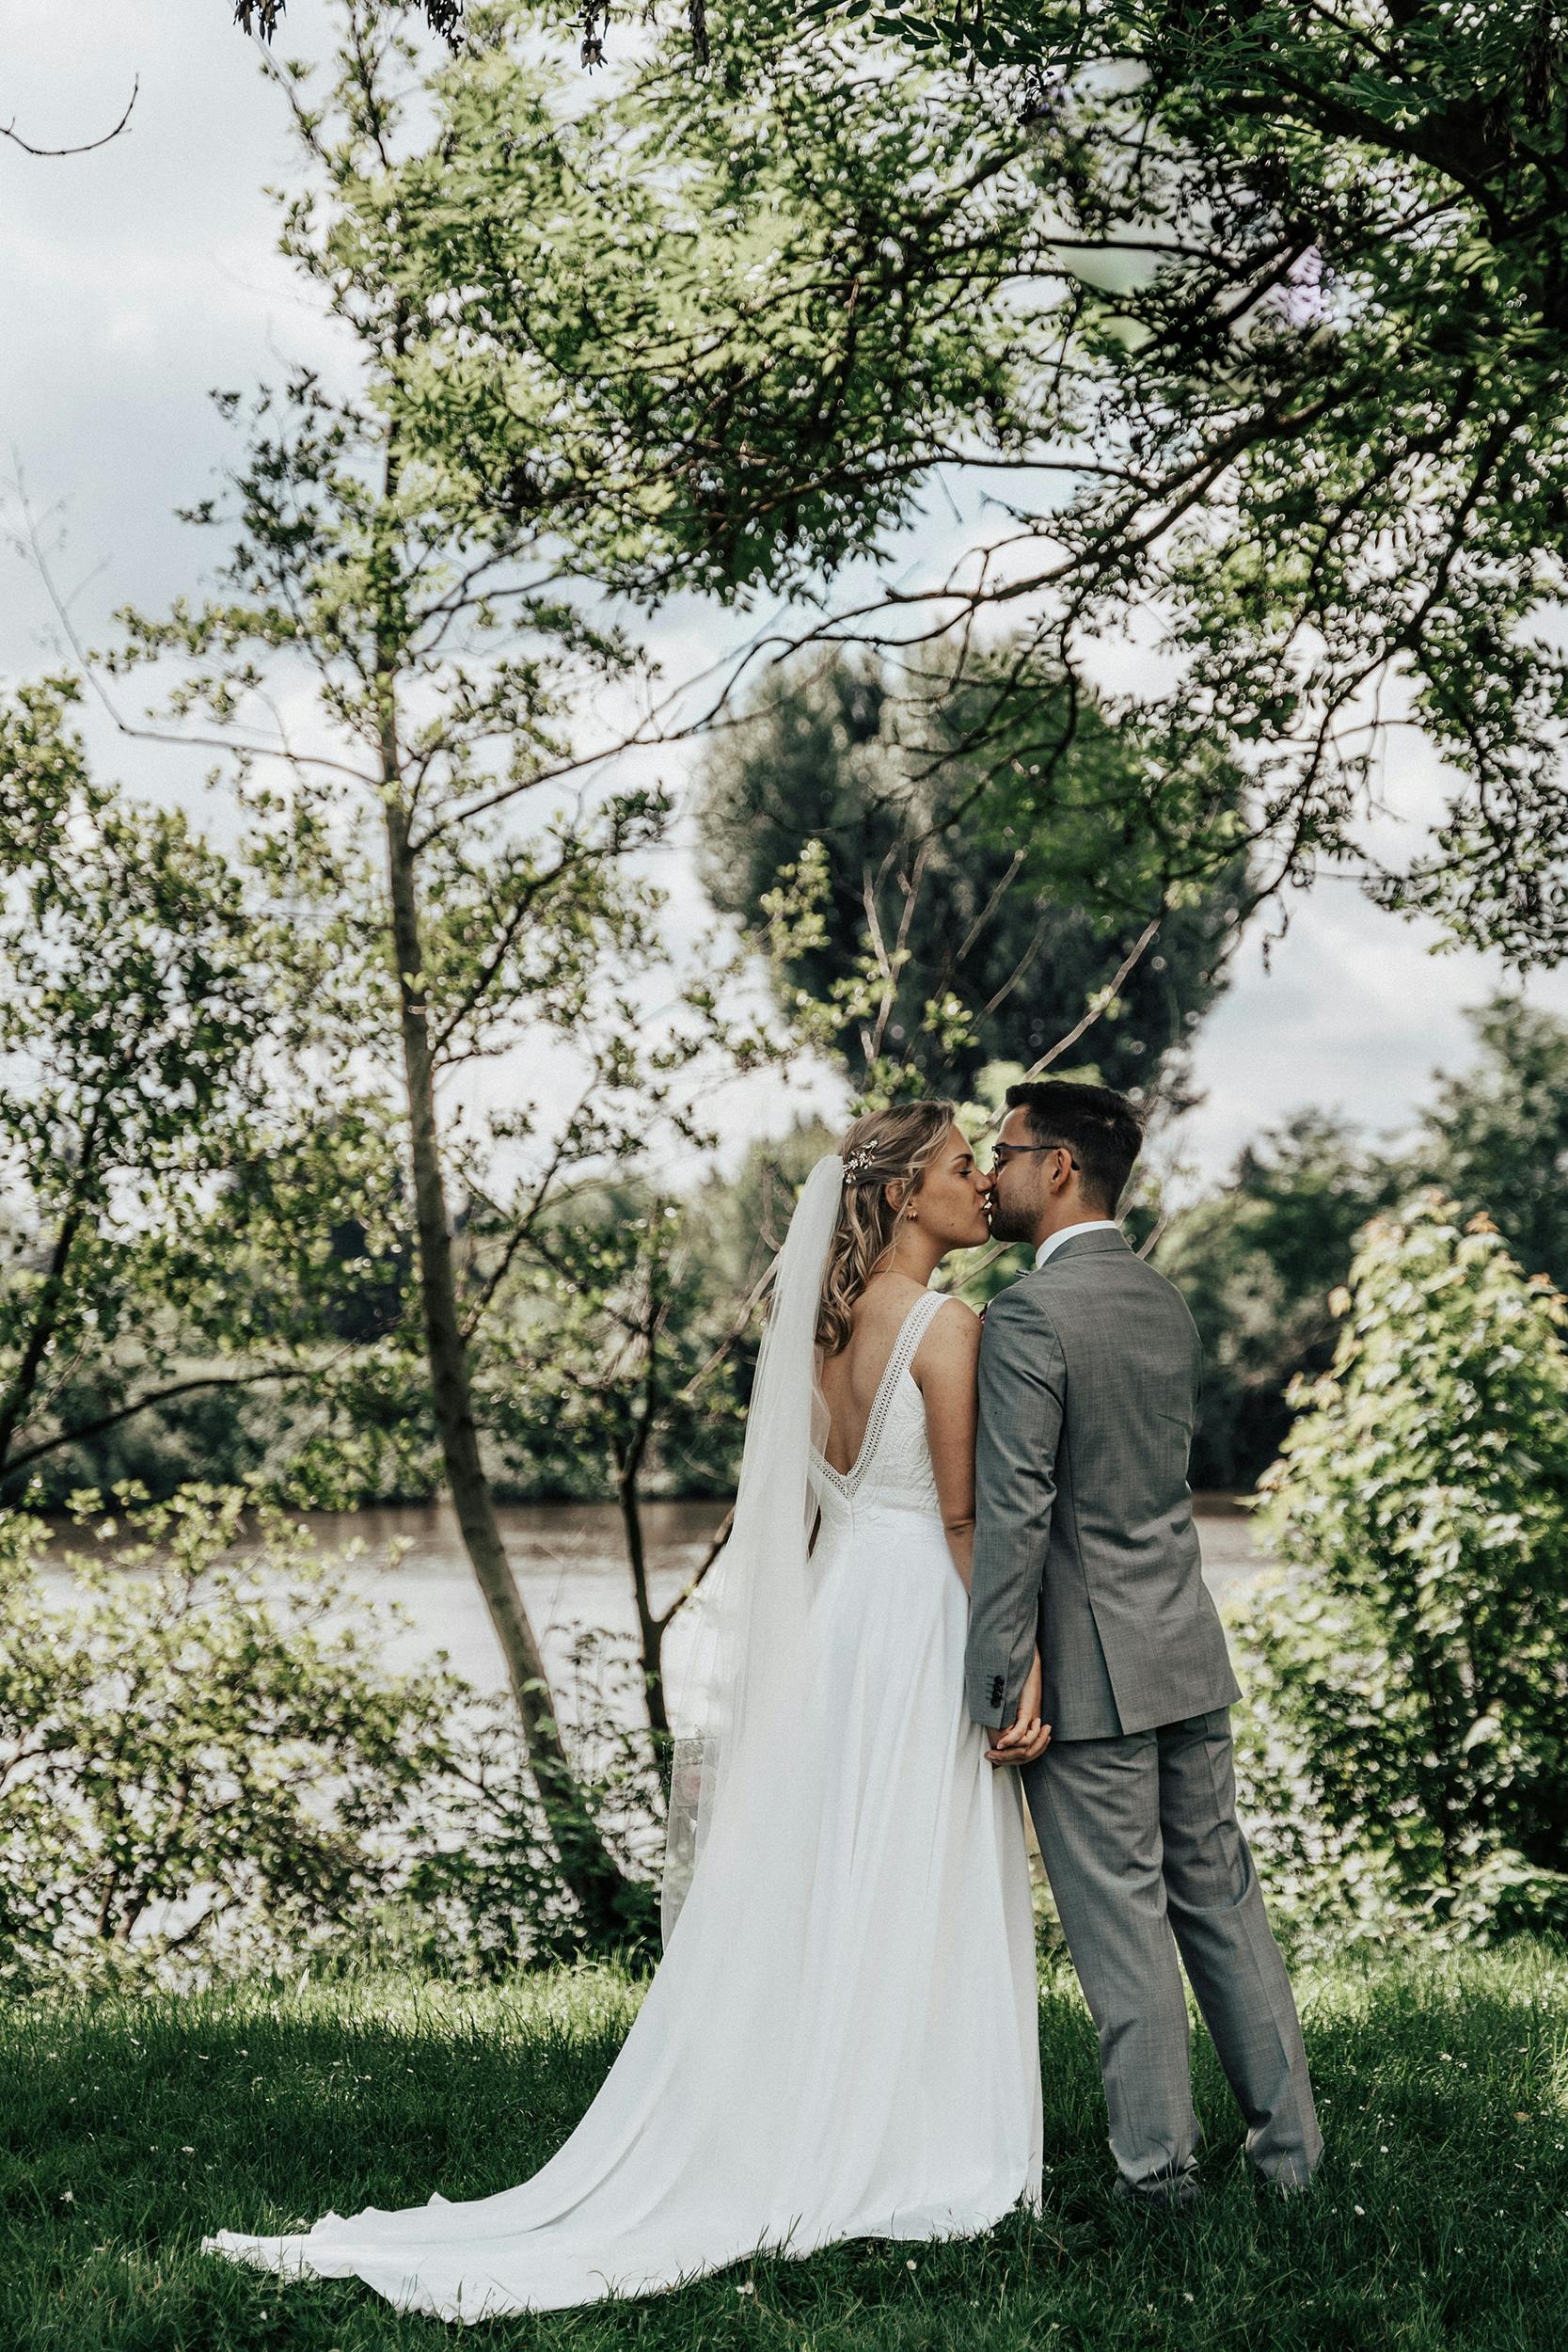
(884,1147)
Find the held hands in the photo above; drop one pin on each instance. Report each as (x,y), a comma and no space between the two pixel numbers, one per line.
(1026,1738)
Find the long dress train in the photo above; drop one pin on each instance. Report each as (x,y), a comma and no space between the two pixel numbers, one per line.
(870,2069)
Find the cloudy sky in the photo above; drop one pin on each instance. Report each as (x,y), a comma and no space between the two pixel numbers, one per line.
(135,279)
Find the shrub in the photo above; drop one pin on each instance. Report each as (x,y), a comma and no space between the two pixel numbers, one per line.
(482,1896)
(1409,1663)
(205,1764)
(199,1746)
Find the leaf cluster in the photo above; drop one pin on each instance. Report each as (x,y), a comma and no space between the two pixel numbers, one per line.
(1258,1257)
(204,1759)
(1311,365)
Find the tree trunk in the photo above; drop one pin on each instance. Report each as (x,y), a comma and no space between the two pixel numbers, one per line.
(19,1396)
(612,1905)
(650,1627)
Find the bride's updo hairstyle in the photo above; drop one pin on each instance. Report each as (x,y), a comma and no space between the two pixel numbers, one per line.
(884,1147)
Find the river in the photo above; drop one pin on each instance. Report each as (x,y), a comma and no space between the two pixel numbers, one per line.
(573,1572)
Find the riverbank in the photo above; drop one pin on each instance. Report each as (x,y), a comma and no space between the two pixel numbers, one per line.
(134,2127)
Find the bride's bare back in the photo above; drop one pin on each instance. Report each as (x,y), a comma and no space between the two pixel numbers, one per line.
(943,1369)
(946,1212)
(851,1378)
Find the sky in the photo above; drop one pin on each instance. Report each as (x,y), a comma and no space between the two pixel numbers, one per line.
(136,278)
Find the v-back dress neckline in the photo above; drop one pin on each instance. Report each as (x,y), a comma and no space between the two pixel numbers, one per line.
(911,1330)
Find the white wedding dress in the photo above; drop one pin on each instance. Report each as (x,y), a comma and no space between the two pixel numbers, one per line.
(840,2041)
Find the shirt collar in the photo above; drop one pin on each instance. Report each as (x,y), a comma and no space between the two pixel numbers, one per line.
(1071,1233)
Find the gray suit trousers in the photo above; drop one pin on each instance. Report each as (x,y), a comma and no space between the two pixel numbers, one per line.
(1145,1857)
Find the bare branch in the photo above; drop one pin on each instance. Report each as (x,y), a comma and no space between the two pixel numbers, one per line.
(1098,1002)
(96,1427)
(10,131)
(721,1537)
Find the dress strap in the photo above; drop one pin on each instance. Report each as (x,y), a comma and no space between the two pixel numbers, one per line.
(905,1349)
(916,1324)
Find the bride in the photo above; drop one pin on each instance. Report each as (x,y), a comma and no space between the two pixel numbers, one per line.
(840,2041)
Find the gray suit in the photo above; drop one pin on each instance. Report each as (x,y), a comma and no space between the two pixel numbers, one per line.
(1084,1544)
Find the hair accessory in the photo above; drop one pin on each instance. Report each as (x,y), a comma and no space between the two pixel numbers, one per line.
(858,1166)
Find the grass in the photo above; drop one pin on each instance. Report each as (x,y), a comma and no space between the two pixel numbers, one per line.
(129,2127)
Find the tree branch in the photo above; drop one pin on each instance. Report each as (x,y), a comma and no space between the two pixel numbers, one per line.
(10,131)
(144,1403)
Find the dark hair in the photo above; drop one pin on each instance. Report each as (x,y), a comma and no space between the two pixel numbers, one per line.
(1097,1125)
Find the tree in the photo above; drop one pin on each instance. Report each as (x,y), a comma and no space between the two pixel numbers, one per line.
(202,1239)
(1008,930)
(140,1037)
(623,1374)
(1258,1259)
(437,902)
(1277,366)
(1243,324)
(1413,1657)
(1497,1136)
(1257,1262)
(788,338)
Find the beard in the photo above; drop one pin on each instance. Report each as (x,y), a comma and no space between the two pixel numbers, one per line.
(1012,1220)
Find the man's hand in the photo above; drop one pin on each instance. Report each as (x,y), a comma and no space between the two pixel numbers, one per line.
(1026,1738)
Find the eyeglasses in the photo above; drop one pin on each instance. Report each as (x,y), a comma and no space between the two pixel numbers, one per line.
(1002,1152)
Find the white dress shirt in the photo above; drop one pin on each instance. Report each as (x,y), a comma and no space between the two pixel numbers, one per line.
(1071,1233)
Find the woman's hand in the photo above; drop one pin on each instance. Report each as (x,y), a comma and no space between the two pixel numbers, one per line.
(1026,1738)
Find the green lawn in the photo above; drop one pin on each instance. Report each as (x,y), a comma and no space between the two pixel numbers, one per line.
(1441,2218)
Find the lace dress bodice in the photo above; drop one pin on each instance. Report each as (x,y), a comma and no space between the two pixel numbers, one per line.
(892,1470)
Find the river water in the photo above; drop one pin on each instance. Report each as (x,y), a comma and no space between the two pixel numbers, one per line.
(572,1567)
(573,1572)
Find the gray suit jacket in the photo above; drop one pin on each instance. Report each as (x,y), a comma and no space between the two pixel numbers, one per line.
(1083,1538)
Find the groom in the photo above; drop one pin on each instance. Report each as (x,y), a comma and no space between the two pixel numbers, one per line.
(1084,1544)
